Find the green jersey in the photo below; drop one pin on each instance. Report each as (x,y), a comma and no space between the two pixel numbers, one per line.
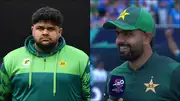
(29,75)
(157,80)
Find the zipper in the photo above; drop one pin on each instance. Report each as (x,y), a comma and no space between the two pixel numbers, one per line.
(44,63)
(44,59)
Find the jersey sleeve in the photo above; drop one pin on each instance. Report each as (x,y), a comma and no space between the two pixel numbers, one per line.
(85,79)
(175,84)
(5,88)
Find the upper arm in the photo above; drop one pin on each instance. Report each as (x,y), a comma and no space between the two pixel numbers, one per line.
(175,84)
(5,86)
(85,78)
(5,75)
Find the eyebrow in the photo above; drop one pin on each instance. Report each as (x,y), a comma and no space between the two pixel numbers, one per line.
(123,31)
(116,31)
(45,27)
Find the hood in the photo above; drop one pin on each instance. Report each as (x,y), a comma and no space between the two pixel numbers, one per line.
(29,44)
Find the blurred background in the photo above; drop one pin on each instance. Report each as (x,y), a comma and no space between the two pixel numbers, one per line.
(103,52)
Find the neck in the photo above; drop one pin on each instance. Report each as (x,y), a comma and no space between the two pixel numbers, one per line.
(136,64)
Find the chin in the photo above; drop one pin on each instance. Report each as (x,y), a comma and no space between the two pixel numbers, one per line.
(45,43)
(126,57)
(46,46)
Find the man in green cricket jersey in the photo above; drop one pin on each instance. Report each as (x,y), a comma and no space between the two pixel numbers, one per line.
(145,75)
(45,69)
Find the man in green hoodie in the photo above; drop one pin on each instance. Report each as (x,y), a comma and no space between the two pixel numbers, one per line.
(45,69)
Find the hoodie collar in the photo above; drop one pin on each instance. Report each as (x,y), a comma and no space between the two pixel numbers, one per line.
(29,44)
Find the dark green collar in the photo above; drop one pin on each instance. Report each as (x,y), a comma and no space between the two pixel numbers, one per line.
(29,44)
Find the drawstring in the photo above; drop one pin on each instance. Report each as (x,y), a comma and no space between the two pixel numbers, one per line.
(30,72)
(54,79)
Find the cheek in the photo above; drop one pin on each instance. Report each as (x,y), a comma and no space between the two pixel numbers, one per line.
(54,35)
(117,41)
(36,34)
(145,41)
(135,41)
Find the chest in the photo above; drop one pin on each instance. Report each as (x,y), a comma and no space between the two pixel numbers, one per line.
(146,86)
(45,71)
(47,64)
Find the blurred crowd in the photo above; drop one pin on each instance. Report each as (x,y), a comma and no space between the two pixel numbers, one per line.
(164,11)
(98,73)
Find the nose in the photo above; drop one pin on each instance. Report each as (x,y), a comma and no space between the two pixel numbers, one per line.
(45,31)
(120,39)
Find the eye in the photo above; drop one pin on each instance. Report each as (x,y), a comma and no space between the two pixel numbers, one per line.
(129,33)
(50,28)
(40,28)
(117,33)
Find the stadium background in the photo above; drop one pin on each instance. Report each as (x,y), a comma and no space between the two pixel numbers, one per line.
(103,51)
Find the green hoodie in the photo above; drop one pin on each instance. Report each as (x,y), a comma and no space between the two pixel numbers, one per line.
(29,75)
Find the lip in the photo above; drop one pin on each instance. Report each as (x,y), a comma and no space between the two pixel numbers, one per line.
(45,39)
(123,49)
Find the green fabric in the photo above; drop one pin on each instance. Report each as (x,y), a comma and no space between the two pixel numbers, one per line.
(5,88)
(133,18)
(67,89)
(23,64)
(161,70)
(85,78)
(175,84)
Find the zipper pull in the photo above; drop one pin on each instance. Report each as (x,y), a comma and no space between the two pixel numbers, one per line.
(44,59)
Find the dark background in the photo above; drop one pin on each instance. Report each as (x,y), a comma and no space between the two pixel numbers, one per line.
(15,22)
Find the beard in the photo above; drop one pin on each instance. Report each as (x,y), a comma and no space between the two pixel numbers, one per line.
(44,46)
(133,52)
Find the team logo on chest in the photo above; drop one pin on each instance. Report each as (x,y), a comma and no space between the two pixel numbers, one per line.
(26,62)
(151,86)
(63,63)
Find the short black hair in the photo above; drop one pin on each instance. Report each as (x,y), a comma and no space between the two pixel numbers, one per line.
(152,41)
(48,14)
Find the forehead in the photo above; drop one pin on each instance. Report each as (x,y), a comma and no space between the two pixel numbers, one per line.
(45,24)
(120,30)
(133,31)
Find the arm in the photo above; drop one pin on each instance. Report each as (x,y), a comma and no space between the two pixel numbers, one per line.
(5,88)
(172,44)
(86,82)
(175,84)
